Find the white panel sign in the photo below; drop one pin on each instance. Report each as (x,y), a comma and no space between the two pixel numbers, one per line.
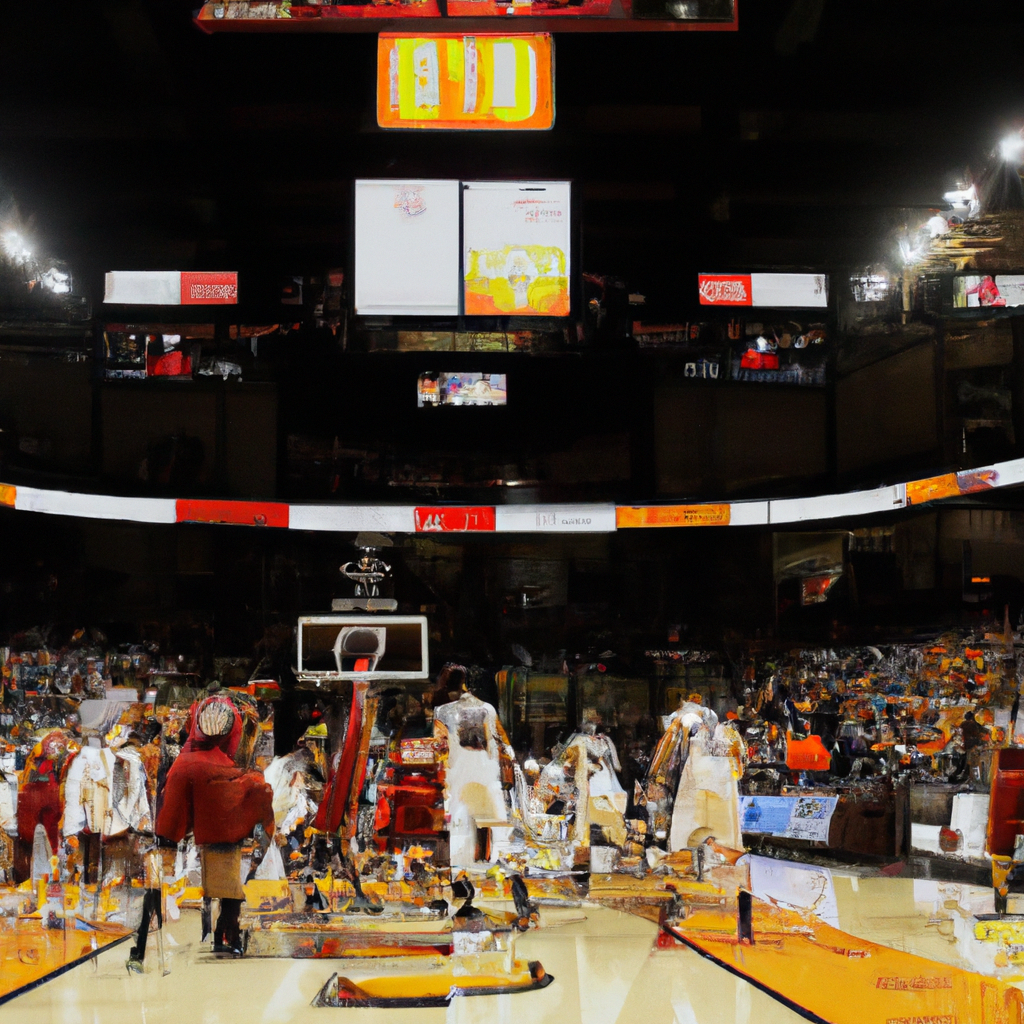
(407,248)
(143,287)
(789,290)
(1011,287)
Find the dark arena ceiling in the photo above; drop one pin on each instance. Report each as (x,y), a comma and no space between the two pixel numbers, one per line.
(130,139)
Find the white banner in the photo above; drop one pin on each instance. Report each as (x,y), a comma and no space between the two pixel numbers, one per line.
(789,290)
(143,287)
(555,518)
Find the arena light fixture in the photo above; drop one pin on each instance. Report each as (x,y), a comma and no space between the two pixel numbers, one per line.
(15,246)
(1011,148)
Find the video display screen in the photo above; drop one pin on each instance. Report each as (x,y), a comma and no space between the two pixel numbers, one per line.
(450,389)
(972,291)
(516,248)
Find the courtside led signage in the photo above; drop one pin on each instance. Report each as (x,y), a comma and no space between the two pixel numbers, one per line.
(171,288)
(778,291)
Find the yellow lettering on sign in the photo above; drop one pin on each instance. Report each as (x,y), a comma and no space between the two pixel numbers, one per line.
(456,64)
(632,516)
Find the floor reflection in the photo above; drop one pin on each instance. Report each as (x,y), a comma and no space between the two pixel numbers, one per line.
(607,971)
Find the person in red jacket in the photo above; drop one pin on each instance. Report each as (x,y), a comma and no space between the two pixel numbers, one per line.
(40,795)
(988,293)
(220,804)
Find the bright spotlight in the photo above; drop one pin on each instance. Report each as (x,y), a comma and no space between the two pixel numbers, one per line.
(1011,149)
(908,253)
(57,281)
(964,201)
(15,246)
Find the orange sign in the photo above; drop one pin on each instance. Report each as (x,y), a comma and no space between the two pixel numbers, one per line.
(470,82)
(932,488)
(627,516)
(950,485)
(8,492)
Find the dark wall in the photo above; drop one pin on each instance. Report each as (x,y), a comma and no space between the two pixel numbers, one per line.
(738,437)
(184,438)
(136,141)
(135,421)
(46,412)
(887,411)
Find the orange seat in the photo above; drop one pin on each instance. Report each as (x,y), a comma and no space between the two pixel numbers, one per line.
(807,755)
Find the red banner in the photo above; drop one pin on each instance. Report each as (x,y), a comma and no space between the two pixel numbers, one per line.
(446,519)
(725,290)
(234,513)
(209,289)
